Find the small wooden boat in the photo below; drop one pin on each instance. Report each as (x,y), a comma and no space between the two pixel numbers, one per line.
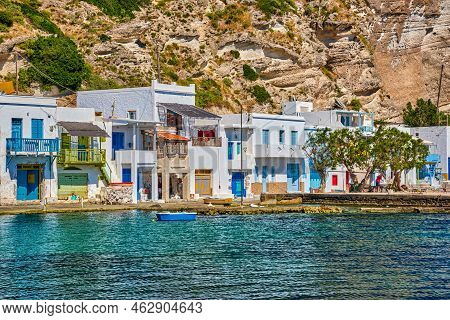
(176,216)
(218,201)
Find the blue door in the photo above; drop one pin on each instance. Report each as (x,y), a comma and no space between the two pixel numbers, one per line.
(22,184)
(314,177)
(33,185)
(264,179)
(118,142)
(236,184)
(37,128)
(28,184)
(293,177)
(16,133)
(126,175)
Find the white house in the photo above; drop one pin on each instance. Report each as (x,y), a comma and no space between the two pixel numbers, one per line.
(83,168)
(272,157)
(28,148)
(338,179)
(138,115)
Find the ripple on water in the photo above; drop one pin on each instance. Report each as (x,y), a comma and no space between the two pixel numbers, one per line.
(292,256)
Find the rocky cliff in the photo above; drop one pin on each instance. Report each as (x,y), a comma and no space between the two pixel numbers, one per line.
(255,54)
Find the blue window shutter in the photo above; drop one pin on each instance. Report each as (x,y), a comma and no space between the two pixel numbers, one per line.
(37,128)
(230,150)
(294,138)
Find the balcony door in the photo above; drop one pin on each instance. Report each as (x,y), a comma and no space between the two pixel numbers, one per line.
(16,133)
(37,129)
(118,142)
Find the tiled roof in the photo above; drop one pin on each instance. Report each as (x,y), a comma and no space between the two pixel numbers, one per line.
(171,136)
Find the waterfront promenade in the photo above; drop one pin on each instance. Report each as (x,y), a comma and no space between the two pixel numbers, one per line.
(307,203)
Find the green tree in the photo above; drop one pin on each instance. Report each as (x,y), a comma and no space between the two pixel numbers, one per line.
(317,148)
(400,151)
(353,150)
(424,114)
(56,61)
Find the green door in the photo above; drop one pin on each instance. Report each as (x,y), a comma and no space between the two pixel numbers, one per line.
(72,184)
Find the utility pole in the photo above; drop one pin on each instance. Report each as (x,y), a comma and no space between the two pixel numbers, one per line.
(242,161)
(158,62)
(439,94)
(16,59)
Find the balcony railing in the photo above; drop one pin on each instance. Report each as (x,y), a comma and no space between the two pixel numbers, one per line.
(82,156)
(172,149)
(207,142)
(32,145)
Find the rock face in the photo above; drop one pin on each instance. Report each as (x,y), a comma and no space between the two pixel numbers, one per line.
(381,52)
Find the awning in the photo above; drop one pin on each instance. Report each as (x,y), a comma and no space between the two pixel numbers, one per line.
(189,111)
(83,129)
(171,136)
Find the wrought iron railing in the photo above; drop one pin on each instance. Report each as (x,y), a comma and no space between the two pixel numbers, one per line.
(32,145)
(82,156)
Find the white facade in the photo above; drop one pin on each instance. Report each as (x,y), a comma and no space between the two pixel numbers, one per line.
(273,161)
(35,156)
(86,115)
(135,110)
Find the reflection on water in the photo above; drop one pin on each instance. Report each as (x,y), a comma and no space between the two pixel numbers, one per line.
(293,256)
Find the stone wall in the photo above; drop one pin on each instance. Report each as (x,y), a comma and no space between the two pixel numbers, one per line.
(272,187)
(358,199)
(117,193)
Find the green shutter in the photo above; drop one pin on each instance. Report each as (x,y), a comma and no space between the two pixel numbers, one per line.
(72,183)
(66,141)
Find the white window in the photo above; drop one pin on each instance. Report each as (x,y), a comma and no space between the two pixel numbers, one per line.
(132,114)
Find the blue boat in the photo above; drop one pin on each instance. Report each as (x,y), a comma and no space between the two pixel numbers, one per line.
(176,216)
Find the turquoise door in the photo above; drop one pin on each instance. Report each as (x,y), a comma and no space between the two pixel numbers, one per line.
(16,133)
(236,184)
(264,179)
(37,128)
(314,177)
(28,184)
(293,177)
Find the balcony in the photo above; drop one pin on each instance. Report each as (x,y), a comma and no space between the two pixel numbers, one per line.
(247,164)
(206,142)
(278,151)
(171,150)
(432,158)
(32,145)
(82,156)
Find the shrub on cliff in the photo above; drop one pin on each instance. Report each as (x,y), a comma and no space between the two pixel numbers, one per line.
(56,61)
(260,94)
(424,114)
(249,73)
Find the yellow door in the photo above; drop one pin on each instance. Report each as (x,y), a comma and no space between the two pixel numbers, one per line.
(203,184)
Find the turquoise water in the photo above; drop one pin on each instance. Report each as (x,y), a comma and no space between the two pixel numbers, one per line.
(292,256)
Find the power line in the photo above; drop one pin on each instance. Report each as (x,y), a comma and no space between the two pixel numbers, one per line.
(45,75)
